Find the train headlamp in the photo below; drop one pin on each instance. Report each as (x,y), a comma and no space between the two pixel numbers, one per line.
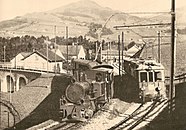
(158,88)
(64,101)
(143,88)
(149,68)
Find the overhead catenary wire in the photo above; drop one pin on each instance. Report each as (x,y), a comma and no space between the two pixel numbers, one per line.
(140,25)
(149,18)
(138,35)
(120,27)
(147,12)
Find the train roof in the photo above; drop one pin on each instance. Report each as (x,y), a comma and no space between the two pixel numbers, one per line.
(141,64)
(87,63)
(104,67)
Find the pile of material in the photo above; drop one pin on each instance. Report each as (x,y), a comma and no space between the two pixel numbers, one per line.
(109,115)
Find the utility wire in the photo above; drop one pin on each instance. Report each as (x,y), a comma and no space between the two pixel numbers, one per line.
(51,25)
(148,19)
(147,12)
(140,25)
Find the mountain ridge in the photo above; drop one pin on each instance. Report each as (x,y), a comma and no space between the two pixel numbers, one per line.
(77,16)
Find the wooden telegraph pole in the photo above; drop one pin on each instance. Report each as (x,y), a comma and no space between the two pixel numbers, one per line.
(67,40)
(4,51)
(159,50)
(119,54)
(55,47)
(0,103)
(122,52)
(172,87)
(67,47)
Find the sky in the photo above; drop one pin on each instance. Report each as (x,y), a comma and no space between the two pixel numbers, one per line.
(12,8)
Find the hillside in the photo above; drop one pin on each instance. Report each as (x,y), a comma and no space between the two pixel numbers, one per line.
(91,11)
(77,16)
(166,17)
(181,16)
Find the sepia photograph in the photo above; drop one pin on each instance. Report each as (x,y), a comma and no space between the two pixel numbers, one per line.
(92,65)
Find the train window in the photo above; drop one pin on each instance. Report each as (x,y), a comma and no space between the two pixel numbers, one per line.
(76,66)
(83,67)
(102,89)
(98,77)
(90,74)
(143,76)
(150,76)
(158,76)
(107,77)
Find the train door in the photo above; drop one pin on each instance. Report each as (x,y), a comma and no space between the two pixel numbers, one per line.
(151,83)
(147,82)
(109,84)
(99,88)
(159,79)
(142,80)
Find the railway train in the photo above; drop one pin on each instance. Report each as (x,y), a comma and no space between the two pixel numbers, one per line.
(92,88)
(147,78)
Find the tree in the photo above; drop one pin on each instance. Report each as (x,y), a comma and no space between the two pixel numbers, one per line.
(29,47)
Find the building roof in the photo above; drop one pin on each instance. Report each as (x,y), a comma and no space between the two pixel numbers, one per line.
(133,50)
(51,56)
(130,52)
(25,54)
(91,38)
(131,44)
(72,50)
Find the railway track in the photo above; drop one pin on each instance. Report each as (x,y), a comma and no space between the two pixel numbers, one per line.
(140,115)
(53,125)
(62,126)
(136,117)
(126,119)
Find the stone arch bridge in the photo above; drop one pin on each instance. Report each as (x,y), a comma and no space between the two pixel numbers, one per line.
(13,79)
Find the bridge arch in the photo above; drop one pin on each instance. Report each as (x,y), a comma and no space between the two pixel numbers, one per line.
(10,83)
(12,110)
(21,82)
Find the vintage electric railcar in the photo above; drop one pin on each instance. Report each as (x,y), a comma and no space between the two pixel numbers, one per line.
(147,78)
(91,90)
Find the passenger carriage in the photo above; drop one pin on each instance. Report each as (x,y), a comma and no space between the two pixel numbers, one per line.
(149,75)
